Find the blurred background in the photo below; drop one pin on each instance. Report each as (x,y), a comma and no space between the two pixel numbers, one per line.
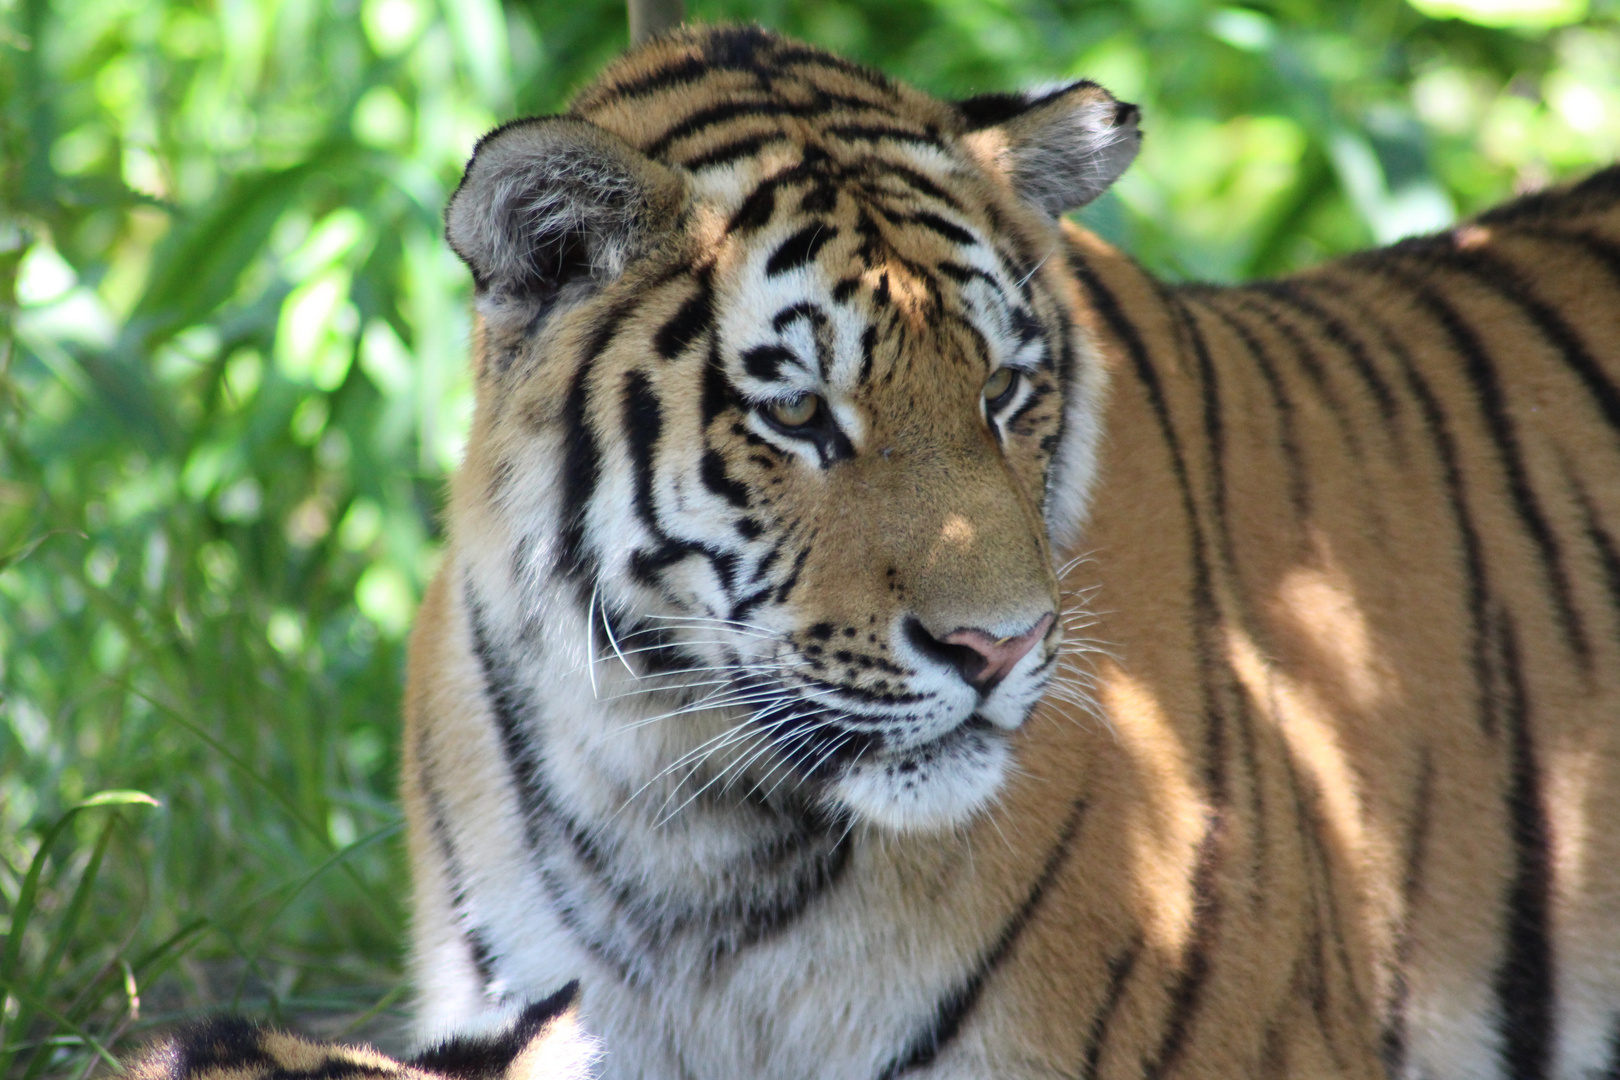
(232,380)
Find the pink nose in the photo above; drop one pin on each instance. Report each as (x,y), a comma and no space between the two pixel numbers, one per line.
(998,656)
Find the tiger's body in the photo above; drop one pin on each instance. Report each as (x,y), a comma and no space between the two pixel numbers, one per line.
(743,695)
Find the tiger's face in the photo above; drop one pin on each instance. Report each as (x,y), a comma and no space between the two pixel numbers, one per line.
(789,432)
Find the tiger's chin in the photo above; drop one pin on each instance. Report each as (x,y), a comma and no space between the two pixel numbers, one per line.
(931,787)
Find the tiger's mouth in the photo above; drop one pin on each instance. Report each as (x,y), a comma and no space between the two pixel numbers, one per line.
(938,780)
(937,784)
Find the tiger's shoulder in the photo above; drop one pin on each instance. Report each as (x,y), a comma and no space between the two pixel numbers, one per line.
(545,1042)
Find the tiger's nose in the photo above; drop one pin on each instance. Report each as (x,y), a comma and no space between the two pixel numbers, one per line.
(981,658)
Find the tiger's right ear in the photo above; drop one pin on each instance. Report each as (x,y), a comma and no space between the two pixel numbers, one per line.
(555,202)
(1059,148)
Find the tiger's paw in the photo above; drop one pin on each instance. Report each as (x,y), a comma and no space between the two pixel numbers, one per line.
(545,1042)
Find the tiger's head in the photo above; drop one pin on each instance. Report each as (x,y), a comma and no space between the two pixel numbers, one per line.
(782,412)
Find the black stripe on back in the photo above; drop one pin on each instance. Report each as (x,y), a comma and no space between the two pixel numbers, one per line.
(1505,280)
(221,1042)
(1282,405)
(1205,611)
(1287,292)
(1602,541)
(1392,1036)
(1439,433)
(1482,378)
(953,1009)
(1525,980)
(1214,424)
(1601,249)
(1189,989)
(1308,361)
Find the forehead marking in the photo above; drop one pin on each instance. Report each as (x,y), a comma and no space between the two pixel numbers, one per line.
(800,248)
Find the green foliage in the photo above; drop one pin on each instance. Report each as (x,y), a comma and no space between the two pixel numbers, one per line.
(232,377)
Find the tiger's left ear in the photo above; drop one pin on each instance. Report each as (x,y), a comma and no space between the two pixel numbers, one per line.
(1059,148)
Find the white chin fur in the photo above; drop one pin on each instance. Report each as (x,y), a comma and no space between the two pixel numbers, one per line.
(945,784)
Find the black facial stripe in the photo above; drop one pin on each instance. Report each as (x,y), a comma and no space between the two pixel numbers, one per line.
(643,424)
(916,181)
(963,274)
(804,309)
(581,470)
(1026,326)
(718,393)
(715,115)
(786,588)
(949,230)
(868,351)
(1034,394)
(764,362)
(799,248)
(693,319)
(802,854)
(879,132)
(726,153)
(755,211)
(747,605)
(647,566)
(713,472)
(821,198)
(812,313)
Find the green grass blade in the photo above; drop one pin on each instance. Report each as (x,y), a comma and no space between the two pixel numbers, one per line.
(274,792)
(11,958)
(70,919)
(42,1056)
(303,883)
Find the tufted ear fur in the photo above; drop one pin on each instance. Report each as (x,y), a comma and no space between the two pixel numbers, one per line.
(555,204)
(1060,148)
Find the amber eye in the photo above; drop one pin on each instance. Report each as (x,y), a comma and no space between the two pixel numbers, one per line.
(1000,385)
(795,411)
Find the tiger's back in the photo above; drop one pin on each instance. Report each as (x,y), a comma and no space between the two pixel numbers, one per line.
(1320,784)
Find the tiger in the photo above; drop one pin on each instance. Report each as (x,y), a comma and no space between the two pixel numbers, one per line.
(884,632)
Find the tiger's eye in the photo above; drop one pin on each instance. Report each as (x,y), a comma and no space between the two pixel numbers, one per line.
(796,412)
(1000,383)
